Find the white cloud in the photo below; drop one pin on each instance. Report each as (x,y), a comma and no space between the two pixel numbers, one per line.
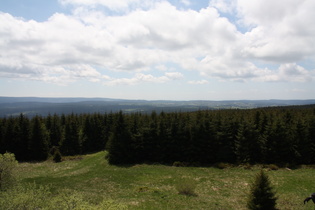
(294,72)
(286,34)
(151,34)
(225,6)
(287,72)
(174,75)
(113,5)
(186,2)
(143,78)
(198,82)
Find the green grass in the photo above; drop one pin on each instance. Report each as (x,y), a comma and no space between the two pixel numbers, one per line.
(154,186)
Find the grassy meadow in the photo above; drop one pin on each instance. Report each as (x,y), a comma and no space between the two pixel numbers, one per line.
(91,180)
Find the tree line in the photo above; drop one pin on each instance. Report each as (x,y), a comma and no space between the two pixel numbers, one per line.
(282,135)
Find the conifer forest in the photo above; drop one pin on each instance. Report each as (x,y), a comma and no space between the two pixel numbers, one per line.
(278,135)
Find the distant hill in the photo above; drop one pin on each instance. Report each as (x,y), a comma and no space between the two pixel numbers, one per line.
(31,106)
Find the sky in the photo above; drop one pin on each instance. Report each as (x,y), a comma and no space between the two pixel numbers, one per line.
(158,49)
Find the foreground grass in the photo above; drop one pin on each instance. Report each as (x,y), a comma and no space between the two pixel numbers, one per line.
(154,186)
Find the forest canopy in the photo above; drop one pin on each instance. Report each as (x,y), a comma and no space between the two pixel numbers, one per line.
(280,135)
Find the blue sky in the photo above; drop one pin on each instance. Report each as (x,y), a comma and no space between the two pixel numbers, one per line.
(158,49)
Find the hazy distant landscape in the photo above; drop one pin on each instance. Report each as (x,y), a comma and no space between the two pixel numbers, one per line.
(31,106)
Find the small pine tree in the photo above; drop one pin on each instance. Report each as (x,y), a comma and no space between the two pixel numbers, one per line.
(262,196)
(57,156)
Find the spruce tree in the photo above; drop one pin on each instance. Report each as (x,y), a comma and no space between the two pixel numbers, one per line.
(39,141)
(262,195)
(120,143)
(71,144)
(57,156)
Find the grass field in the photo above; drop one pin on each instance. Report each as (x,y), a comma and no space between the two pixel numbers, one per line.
(91,179)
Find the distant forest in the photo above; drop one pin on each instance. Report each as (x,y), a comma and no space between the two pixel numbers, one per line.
(30,106)
(279,135)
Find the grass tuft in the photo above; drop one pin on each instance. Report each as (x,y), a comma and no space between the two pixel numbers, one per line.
(186,187)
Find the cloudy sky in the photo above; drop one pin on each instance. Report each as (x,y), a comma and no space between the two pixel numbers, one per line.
(158,49)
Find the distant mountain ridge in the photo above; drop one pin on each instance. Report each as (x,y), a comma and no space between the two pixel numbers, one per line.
(31,106)
(50,100)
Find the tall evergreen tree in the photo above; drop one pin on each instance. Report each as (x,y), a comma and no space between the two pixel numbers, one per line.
(311,138)
(55,129)
(226,132)
(39,141)
(93,133)
(247,145)
(120,143)
(11,135)
(164,136)
(1,136)
(71,144)
(22,151)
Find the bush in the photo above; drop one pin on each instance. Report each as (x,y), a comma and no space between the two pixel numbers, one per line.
(32,196)
(272,167)
(57,156)
(7,166)
(246,166)
(180,164)
(261,194)
(186,187)
(27,197)
(223,165)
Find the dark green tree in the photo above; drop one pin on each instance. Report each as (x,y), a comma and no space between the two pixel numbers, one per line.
(10,135)
(247,145)
(311,137)
(262,195)
(164,135)
(57,156)
(120,143)
(39,141)
(55,129)
(71,144)
(151,140)
(93,134)
(226,132)
(2,122)
(22,152)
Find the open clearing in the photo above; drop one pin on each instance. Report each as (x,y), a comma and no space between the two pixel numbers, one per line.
(154,186)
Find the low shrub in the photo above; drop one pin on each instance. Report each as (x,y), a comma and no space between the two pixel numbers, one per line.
(186,187)
(7,176)
(25,197)
(273,167)
(57,156)
(180,164)
(223,165)
(246,166)
(34,196)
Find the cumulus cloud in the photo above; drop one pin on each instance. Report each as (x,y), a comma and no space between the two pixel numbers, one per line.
(113,5)
(143,78)
(224,6)
(294,72)
(174,75)
(186,2)
(198,82)
(286,34)
(146,35)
